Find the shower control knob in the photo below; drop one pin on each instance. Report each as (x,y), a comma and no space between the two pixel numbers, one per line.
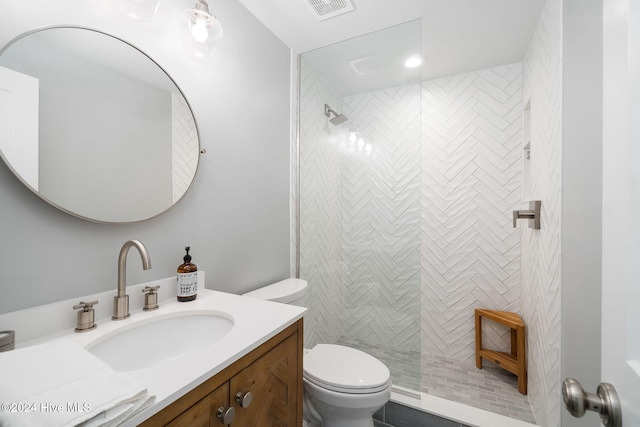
(244,398)
(605,402)
(226,415)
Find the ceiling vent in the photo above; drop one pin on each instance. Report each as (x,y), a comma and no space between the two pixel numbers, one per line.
(325,9)
(366,65)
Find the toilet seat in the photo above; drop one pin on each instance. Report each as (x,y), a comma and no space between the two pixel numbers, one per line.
(345,370)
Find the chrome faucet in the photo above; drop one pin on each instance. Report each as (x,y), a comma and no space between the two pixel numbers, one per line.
(121,301)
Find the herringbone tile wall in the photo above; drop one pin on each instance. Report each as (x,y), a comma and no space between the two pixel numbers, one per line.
(541,248)
(471,173)
(321,210)
(381,219)
(185,152)
(425,220)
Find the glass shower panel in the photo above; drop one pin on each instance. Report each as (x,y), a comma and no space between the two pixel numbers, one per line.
(360,197)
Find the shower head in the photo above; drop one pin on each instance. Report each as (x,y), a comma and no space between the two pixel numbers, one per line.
(340,118)
(337,118)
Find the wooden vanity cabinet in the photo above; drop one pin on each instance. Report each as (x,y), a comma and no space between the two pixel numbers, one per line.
(204,411)
(272,373)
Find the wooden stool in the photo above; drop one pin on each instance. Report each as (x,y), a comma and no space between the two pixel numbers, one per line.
(514,362)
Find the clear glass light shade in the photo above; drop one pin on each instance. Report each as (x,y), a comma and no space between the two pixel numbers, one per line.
(354,137)
(202,32)
(141,10)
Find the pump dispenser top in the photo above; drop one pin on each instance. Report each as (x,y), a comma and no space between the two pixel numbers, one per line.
(187,279)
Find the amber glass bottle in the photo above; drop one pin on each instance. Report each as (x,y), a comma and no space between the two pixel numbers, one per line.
(187,279)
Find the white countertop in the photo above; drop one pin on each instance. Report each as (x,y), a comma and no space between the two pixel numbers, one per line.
(254,322)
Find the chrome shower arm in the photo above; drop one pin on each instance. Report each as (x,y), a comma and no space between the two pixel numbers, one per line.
(328,111)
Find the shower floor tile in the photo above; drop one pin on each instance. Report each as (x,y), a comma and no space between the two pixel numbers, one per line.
(491,388)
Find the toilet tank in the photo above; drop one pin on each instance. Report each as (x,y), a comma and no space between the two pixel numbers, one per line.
(289,291)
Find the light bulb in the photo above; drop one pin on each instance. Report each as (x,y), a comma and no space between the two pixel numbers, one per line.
(352,137)
(199,30)
(361,142)
(202,31)
(368,147)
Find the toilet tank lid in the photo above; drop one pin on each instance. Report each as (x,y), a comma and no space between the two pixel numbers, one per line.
(285,291)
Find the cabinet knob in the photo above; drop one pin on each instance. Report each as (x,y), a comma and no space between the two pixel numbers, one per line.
(226,414)
(244,398)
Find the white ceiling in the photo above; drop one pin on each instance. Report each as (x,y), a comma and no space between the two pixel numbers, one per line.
(457,36)
(382,54)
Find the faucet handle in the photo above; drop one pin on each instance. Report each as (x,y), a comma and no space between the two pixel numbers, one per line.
(86,306)
(150,298)
(86,316)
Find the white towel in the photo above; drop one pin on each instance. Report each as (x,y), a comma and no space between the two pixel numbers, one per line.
(62,384)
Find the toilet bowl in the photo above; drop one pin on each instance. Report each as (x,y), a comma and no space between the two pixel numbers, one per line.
(343,387)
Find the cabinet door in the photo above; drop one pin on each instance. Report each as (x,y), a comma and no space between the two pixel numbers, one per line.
(219,398)
(204,412)
(272,381)
(196,416)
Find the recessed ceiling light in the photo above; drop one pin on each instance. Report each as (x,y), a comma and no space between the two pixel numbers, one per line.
(414,61)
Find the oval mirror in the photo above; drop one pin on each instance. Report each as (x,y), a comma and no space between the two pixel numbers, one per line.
(94,126)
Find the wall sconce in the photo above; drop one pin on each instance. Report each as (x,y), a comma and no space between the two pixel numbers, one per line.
(355,138)
(202,31)
(368,148)
(364,145)
(357,142)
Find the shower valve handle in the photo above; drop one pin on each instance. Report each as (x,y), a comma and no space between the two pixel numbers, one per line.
(532,214)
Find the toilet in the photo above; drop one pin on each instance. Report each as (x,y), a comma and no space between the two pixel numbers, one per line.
(343,387)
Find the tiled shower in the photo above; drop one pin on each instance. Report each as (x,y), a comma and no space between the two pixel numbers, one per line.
(401,243)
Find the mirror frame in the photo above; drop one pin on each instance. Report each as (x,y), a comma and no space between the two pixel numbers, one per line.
(61,208)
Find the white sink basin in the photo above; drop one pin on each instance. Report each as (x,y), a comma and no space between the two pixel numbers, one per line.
(146,344)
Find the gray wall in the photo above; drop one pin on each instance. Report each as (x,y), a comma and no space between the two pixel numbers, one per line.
(236,215)
(582,197)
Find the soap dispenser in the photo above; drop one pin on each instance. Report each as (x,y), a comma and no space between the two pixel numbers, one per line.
(187,279)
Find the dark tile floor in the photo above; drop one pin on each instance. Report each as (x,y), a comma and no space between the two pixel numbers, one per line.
(395,415)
